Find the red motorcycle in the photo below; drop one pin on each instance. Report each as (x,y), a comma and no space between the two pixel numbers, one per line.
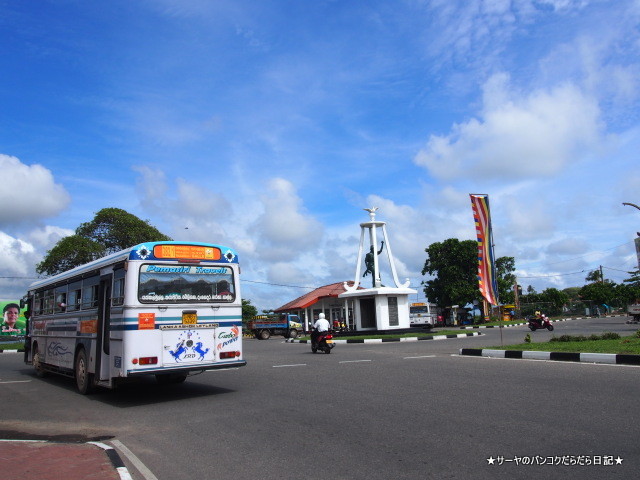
(535,323)
(322,341)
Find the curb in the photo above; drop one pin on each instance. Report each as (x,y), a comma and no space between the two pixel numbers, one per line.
(12,351)
(117,462)
(527,323)
(65,453)
(606,358)
(389,340)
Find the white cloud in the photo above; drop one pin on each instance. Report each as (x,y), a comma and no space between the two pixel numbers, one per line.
(517,136)
(46,237)
(15,255)
(285,229)
(194,212)
(29,192)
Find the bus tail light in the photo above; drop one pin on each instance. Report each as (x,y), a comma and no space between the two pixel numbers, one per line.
(229,354)
(145,361)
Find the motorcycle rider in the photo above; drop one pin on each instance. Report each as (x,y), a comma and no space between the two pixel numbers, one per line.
(321,325)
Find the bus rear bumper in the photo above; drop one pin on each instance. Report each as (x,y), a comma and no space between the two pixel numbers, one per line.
(186,369)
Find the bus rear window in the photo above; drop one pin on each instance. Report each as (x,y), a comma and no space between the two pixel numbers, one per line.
(186,284)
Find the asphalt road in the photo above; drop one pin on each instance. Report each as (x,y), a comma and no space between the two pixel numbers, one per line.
(411,410)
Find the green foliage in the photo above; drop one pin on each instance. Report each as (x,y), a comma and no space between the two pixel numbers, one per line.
(599,292)
(583,338)
(248,310)
(527,338)
(555,298)
(68,253)
(454,264)
(115,229)
(594,276)
(111,230)
(505,266)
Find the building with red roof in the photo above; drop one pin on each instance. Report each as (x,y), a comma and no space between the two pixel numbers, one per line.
(323,299)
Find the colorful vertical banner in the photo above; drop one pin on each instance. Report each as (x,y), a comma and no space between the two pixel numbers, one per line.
(487,280)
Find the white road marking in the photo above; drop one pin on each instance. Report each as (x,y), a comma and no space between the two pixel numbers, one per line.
(421,356)
(16,381)
(141,467)
(293,365)
(354,361)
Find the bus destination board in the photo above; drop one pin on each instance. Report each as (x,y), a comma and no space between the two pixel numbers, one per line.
(187,252)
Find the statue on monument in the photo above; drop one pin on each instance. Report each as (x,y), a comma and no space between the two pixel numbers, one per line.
(369,262)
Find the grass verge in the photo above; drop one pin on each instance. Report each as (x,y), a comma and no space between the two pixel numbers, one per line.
(403,335)
(629,345)
(12,346)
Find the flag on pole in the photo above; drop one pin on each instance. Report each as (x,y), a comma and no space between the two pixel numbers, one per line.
(487,280)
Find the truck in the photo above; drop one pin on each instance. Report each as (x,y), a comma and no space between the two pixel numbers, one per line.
(286,324)
(634,311)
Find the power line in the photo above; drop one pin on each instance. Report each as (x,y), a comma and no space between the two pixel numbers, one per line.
(277,284)
(590,253)
(556,275)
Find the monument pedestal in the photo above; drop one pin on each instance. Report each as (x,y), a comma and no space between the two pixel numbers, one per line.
(381,308)
(378,307)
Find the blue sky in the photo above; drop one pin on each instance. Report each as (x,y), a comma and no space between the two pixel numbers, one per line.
(268,126)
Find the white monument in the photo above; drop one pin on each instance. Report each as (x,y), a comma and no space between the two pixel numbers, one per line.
(379,307)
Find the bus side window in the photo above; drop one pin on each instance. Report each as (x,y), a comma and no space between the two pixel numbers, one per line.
(48,301)
(117,295)
(74,296)
(90,292)
(61,299)
(37,304)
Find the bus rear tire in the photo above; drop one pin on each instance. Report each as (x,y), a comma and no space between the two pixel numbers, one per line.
(171,378)
(84,380)
(37,362)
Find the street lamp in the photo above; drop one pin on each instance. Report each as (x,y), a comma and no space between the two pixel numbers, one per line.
(637,241)
(631,204)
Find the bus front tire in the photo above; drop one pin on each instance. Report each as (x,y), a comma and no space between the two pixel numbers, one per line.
(84,380)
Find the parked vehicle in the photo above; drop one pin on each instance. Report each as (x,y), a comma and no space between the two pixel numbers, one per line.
(322,341)
(634,312)
(536,323)
(420,315)
(263,326)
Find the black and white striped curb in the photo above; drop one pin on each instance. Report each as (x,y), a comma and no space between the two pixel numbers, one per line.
(527,323)
(608,358)
(115,460)
(388,340)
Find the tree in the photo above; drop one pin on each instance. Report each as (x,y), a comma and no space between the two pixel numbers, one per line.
(556,298)
(572,292)
(68,253)
(599,292)
(506,279)
(455,267)
(248,310)
(111,230)
(594,276)
(117,229)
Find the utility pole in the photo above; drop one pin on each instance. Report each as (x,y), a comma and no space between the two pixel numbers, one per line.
(601,275)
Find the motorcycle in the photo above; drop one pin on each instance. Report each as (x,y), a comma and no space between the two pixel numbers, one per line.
(323,341)
(536,323)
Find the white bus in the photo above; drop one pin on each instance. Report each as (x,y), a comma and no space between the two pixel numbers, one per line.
(420,315)
(160,308)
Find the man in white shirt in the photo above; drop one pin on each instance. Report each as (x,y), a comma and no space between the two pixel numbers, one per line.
(321,325)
